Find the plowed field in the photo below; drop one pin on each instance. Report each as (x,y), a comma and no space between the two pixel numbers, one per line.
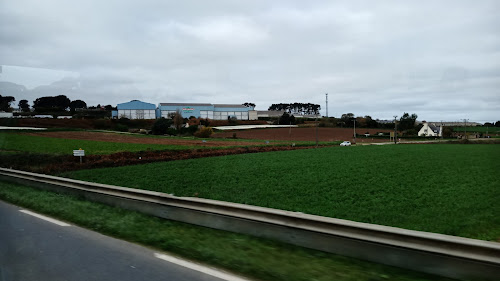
(126,138)
(304,134)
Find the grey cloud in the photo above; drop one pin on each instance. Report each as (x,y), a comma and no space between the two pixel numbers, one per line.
(372,57)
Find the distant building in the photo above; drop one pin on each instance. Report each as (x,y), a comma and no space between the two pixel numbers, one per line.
(385,121)
(135,110)
(207,110)
(6,114)
(279,113)
(455,124)
(225,111)
(270,113)
(430,130)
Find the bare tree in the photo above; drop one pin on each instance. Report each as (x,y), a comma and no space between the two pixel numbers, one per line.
(178,120)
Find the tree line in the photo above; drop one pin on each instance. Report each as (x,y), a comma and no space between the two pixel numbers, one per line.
(49,104)
(296,108)
(5,103)
(405,122)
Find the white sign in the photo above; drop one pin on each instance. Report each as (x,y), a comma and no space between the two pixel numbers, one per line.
(79,153)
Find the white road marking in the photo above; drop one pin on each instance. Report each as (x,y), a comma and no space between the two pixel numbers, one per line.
(200,268)
(45,218)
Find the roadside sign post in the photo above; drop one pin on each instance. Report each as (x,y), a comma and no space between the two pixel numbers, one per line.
(395,129)
(80,153)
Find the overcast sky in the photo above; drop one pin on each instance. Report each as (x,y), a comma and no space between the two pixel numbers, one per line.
(439,59)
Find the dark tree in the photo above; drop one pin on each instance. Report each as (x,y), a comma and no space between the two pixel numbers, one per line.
(347,119)
(77,104)
(287,119)
(57,103)
(5,103)
(249,104)
(447,132)
(178,120)
(370,123)
(497,124)
(161,126)
(407,121)
(296,108)
(24,106)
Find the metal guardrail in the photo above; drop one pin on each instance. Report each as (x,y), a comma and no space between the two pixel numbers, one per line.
(444,255)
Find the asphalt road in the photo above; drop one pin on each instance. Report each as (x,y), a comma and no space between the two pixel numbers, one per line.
(35,249)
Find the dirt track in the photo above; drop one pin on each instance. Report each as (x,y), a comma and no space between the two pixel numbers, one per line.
(126,138)
(304,134)
(278,134)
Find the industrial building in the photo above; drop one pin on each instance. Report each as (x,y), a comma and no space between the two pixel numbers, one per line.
(208,110)
(135,110)
(141,110)
(203,110)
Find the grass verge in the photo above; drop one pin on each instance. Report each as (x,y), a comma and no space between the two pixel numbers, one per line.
(246,255)
(398,185)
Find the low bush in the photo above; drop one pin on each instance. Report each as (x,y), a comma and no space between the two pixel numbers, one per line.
(190,130)
(102,124)
(121,128)
(9,122)
(161,126)
(204,132)
(172,132)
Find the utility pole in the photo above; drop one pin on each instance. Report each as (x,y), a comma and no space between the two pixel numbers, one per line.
(354,129)
(441,129)
(465,128)
(395,130)
(326,105)
(317,125)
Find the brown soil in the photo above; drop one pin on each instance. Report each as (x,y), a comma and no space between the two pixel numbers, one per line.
(70,163)
(82,123)
(127,138)
(110,124)
(304,134)
(56,123)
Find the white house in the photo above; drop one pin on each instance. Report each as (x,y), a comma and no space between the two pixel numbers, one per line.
(430,130)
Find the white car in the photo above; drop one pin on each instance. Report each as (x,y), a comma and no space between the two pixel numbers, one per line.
(346,143)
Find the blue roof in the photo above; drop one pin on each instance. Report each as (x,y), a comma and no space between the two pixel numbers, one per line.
(135,104)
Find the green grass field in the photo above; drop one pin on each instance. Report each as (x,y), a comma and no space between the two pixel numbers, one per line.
(477,129)
(445,188)
(36,144)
